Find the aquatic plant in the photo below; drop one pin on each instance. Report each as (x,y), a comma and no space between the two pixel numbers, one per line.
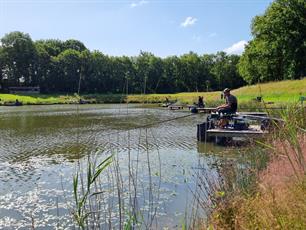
(80,213)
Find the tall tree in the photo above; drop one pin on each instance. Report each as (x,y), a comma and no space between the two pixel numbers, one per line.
(278,50)
(74,45)
(99,78)
(69,63)
(19,54)
(64,66)
(191,71)
(52,46)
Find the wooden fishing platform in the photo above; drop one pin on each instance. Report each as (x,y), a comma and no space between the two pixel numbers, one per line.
(225,135)
(259,114)
(175,107)
(253,131)
(206,110)
(211,110)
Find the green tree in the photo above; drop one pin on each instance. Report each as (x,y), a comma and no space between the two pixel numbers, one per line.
(67,66)
(142,63)
(208,81)
(225,72)
(69,69)
(3,69)
(18,57)
(168,80)
(99,73)
(191,71)
(278,49)
(74,45)
(52,46)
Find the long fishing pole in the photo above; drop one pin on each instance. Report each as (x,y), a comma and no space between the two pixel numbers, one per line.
(149,124)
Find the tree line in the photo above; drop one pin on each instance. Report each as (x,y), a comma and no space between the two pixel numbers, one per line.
(276,52)
(62,66)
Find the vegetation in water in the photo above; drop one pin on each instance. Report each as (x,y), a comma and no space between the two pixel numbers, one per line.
(83,192)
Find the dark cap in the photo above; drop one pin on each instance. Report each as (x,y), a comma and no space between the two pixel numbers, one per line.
(226,90)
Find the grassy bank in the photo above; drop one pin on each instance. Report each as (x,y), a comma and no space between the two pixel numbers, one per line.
(278,197)
(37,99)
(275,93)
(279,93)
(49,99)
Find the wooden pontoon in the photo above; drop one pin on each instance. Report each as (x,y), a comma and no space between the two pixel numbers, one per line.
(206,110)
(221,136)
(253,131)
(175,107)
(259,114)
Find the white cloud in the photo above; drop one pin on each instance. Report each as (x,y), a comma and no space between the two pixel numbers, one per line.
(212,35)
(236,48)
(140,3)
(189,21)
(197,38)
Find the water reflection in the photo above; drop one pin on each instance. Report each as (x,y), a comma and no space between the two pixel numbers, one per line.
(39,146)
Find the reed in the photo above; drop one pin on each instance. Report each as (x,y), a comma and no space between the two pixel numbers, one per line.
(113,194)
(80,213)
(271,191)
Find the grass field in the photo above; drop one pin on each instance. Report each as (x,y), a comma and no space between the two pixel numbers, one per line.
(37,99)
(282,92)
(279,93)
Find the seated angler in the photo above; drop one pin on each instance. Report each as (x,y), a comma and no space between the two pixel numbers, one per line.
(201,102)
(231,104)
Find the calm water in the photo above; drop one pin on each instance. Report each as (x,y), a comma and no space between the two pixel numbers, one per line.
(41,148)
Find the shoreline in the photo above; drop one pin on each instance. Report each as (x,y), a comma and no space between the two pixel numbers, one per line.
(276,183)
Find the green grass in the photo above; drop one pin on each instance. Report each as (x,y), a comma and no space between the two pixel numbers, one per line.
(278,200)
(278,93)
(49,99)
(37,99)
(282,92)
(185,98)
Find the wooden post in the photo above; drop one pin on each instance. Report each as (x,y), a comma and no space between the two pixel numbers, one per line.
(201,131)
(302,99)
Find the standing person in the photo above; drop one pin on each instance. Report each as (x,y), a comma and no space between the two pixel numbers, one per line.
(231,103)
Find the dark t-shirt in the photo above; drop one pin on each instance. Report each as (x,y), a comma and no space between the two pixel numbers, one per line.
(232,101)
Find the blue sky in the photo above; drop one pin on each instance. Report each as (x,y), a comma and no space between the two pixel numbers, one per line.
(123,27)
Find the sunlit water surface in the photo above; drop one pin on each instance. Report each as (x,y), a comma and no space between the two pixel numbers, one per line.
(41,145)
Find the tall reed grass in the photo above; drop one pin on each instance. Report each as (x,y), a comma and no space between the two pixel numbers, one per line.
(275,195)
(113,194)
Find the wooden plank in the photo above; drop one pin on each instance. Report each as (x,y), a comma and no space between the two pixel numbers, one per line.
(209,110)
(253,113)
(253,131)
(175,107)
(206,110)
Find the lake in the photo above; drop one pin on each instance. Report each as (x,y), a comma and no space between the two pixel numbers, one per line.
(153,174)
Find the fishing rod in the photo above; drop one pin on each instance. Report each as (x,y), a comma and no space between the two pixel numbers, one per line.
(149,124)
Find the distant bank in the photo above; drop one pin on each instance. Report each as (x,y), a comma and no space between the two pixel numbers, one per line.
(273,93)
